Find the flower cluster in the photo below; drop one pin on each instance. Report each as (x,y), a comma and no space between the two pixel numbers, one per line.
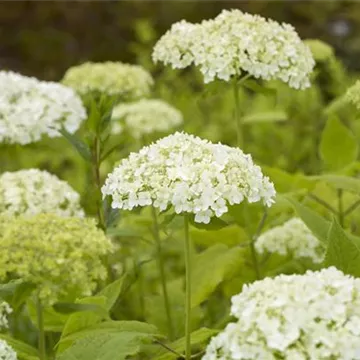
(111,78)
(61,256)
(145,117)
(30,108)
(32,191)
(5,310)
(6,351)
(236,42)
(293,317)
(353,94)
(292,238)
(190,174)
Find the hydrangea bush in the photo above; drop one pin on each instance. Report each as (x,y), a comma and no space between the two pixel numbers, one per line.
(30,108)
(30,192)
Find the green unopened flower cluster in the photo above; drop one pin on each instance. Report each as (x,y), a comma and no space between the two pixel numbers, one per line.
(61,256)
(145,117)
(6,351)
(353,94)
(33,191)
(126,81)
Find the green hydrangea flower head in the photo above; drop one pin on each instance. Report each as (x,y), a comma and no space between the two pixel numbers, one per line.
(62,256)
(125,81)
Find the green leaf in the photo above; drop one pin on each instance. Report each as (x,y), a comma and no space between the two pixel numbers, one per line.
(339,182)
(316,223)
(256,87)
(112,291)
(126,232)
(16,292)
(79,145)
(343,251)
(265,117)
(321,51)
(70,308)
(198,338)
(23,350)
(107,346)
(222,261)
(338,146)
(214,224)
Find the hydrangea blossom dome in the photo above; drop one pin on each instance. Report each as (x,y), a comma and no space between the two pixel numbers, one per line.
(236,42)
(110,78)
(191,174)
(32,191)
(293,317)
(353,94)
(292,238)
(62,256)
(5,310)
(6,351)
(145,117)
(30,108)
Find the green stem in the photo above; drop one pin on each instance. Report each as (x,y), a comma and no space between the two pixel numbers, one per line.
(188,290)
(323,203)
(40,321)
(239,132)
(162,272)
(340,207)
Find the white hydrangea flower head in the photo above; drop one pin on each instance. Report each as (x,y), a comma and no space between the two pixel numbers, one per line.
(292,238)
(353,94)
(6,351)
(145,117)
(293,317)
(190,174)
(5,310)
(110,78)
(236,42)
(33,191)
(30,108)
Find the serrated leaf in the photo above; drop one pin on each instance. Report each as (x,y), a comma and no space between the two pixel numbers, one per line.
(23,350)
(343,251)
(111,292)
(198,338)
(222,261)
(109,346)
(79,145)
(338,146)
(265,117)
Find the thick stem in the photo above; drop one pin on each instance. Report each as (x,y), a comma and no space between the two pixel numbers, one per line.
(187,290)
(162,273)
(239,132)
(340,207)
(40,322)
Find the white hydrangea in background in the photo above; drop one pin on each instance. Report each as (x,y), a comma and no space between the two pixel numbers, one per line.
(293,317)
(5,310)
(110,78)
(191,174)
(145,116)
(30,108)
(6,351)
(353,94)
(33,191)
(292,238)
(236,42)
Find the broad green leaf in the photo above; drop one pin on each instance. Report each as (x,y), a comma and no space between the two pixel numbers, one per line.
(343,251)
(198,338)
(53,321)
(256,87)
(321,51)
(338,146)
(16,292)
(316,223)
(108,346)
(339,182)
(336,105)
(265,117)
(23,350)
(111,292)
(81,320)
(70,308)
(78,144)
(222,261)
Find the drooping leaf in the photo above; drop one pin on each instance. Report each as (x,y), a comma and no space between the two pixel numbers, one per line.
(24,351)
(112,291)
(222,261)
(343,251)
(78,144)
(338,147)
